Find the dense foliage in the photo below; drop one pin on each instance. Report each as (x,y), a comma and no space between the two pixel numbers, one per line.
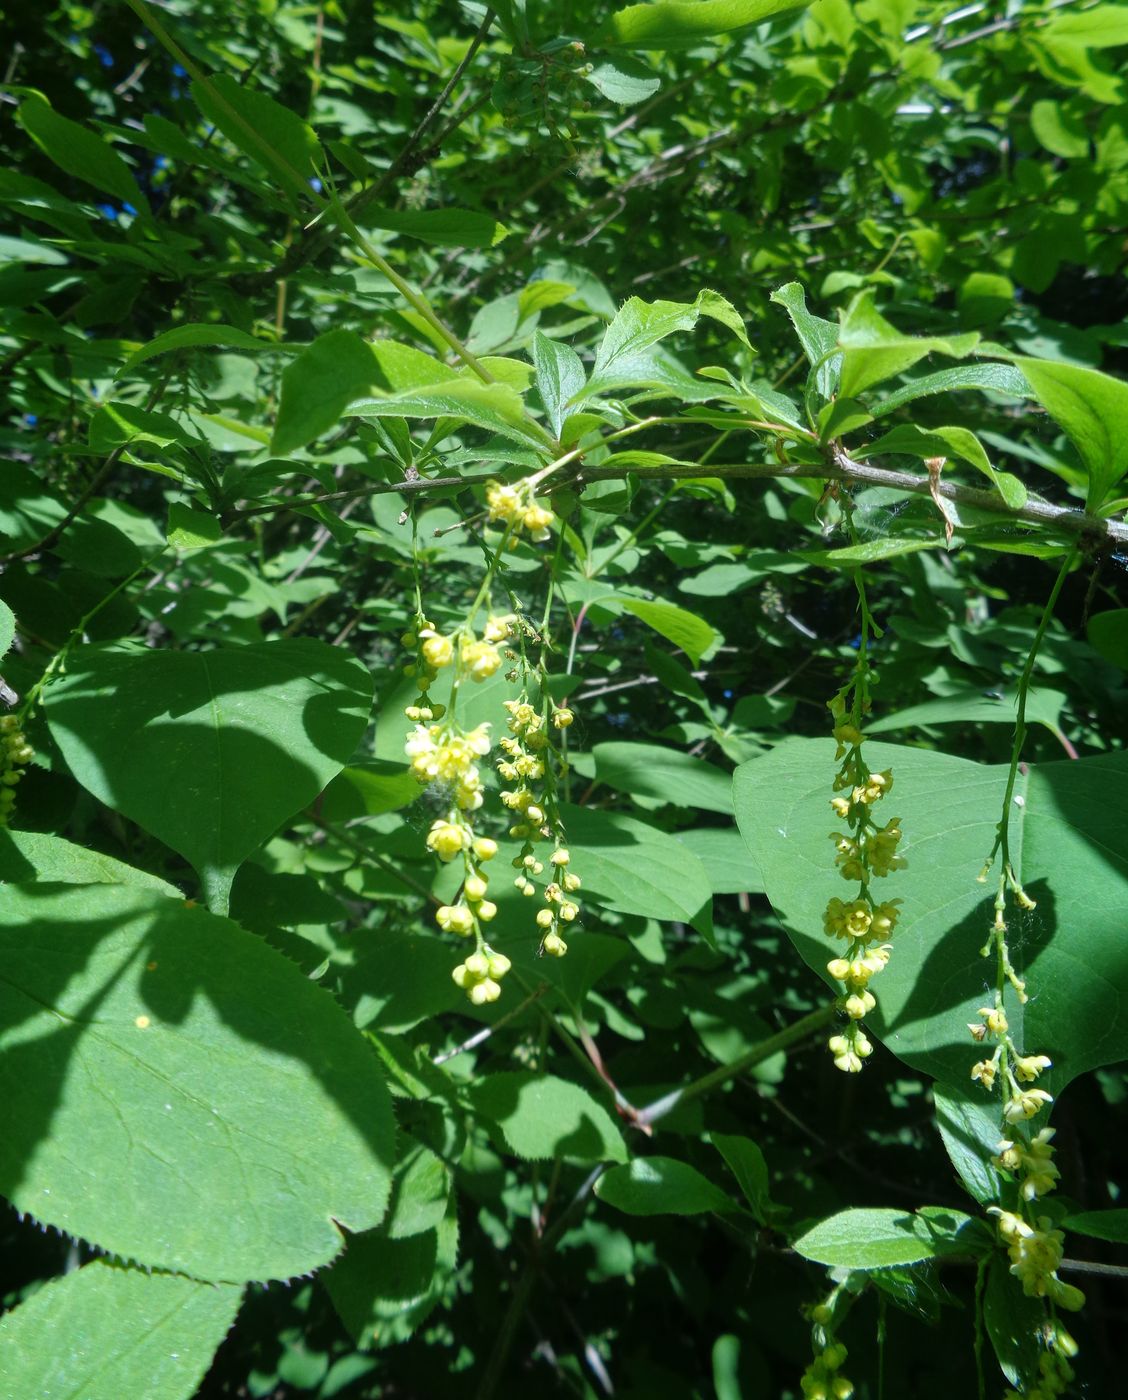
(564,618)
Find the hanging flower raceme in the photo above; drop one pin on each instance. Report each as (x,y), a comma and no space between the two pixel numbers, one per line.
(864,853)
(15,754)
(535,818)
(516,507)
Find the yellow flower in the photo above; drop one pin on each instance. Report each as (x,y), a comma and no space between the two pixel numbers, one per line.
(504,502)
(455,919)
(1026,1104)
(437,651)
(447,840)
(1029,1067)
(479,658)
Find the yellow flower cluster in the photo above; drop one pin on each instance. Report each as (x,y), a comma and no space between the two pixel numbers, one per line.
(1055,1374)
(1032,1161)
(523,765)
(822,1381)
(1019,1103)
(865,853)
(1035,1253)
(15,754)
(516,507)
(442,754)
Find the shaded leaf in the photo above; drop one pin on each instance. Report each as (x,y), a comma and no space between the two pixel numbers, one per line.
(210,751)
(676,24)
(1092,408)
(661,1186)
(178,1092)
(78,151)
(96,1331)
(539,1117)
(1069,844)
(877,1238)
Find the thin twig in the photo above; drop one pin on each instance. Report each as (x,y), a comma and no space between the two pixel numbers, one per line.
(486,1031)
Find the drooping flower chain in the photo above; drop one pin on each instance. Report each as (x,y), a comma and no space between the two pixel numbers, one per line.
(444,754)
(15,754)
(536,818)
(865,853)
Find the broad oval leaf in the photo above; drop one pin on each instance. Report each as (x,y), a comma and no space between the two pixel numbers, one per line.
(678,625)
(278,139)
(650,770)
(627,864)
(873,350)
(192,337)
(1069,842)
(96,1332)
(210,751)
(1092,408)
(320,384)
(34,855)
(675,24)
(177,1092)
(661,1186)
(540,1117)
(879,1238)
(79,151)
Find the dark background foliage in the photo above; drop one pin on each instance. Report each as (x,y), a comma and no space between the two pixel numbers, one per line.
(969,169)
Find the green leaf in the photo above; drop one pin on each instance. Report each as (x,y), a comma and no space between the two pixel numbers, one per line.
(96,1332)
(988,377)
(560,377)
(1103,26)
(648,770)
(970,1126)
(678,24)
(192,529)
(746,1162)
(1069,845)
(210,751)
(1111,1225)
(623,80)
(1014,1323)
(319,385)
(1062,131)
(384,1288)
(912,441)
(178,1092)
(190,337)
(420,1192)
(641,324)
(115,424)
(1092,408)
(263,129)
(444,228)
(661,1186)
(678,625)
(79,152)
(975,707)
(879,1238)
(539,1117)
(817,337)
(849,556)
(7,629)
(873,350)
(721,850)
(33,855)
(495,407)
(626,865)
(1108,634)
